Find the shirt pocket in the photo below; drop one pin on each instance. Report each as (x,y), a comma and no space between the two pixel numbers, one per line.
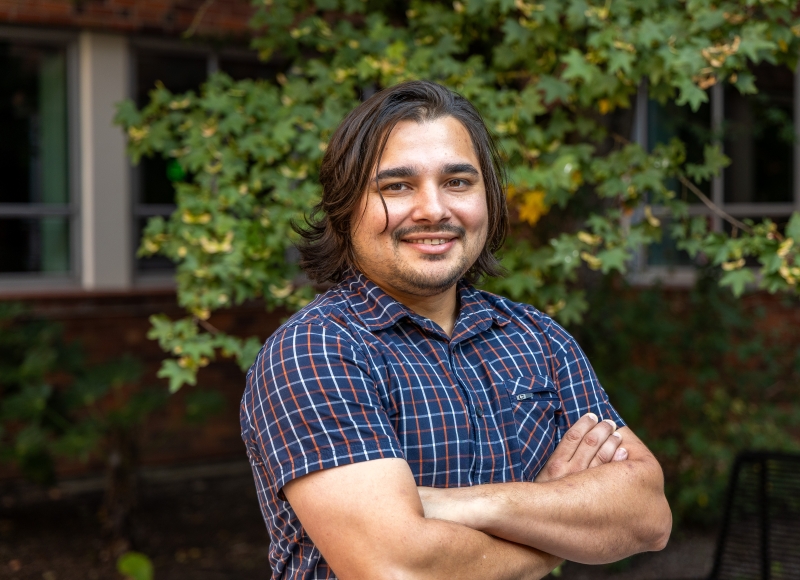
(535,406)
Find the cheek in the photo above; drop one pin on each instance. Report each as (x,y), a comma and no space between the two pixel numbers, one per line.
(475,216)
(369,219)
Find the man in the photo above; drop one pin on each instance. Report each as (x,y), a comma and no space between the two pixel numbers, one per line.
(407,425)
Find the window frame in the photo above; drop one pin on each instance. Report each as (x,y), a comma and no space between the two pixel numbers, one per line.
(35,281)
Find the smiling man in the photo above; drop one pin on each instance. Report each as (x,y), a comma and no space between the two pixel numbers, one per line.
(407,425)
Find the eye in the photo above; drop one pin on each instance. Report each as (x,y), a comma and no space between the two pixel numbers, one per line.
(457,182)
(395,187)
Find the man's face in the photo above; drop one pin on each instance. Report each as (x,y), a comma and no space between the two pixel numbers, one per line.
(435,195)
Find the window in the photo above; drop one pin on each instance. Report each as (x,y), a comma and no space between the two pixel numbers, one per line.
(37,219)
(179,71)
(759,139)
(665,122)
(756,132)
(153,191)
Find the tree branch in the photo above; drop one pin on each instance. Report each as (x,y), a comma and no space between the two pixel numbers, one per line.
(198,17)
(207,325)
(713,206)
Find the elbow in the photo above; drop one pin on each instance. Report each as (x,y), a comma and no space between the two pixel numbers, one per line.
(416,557)
(660,528)
(657,517)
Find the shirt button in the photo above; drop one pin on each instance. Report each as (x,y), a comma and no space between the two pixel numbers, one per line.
(479,412)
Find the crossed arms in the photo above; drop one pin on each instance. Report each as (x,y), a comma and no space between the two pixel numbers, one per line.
(593,502)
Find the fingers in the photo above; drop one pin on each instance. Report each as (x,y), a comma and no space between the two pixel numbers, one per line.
(592,443)
(586,444)
(574,436)
(607,451)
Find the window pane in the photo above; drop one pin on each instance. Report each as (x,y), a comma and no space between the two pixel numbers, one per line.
(34,245)
(33,124)
(179,73)
(239,69)
(155,263)
(759,139)
(157,175)
(665,252)
(669,121)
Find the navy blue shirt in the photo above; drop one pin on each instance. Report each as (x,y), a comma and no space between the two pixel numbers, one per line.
(356,375)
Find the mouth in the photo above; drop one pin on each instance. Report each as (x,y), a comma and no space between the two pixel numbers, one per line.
(429,241)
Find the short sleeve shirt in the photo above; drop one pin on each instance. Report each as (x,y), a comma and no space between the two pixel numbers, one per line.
(356,376)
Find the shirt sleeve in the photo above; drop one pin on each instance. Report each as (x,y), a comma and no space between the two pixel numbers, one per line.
(310,404)
(579,388)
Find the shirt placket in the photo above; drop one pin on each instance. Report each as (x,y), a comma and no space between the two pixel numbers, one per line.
(479,414)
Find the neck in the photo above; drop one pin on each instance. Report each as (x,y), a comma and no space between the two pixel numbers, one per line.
(441,308)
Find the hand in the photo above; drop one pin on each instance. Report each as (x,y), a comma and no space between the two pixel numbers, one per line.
(586,444)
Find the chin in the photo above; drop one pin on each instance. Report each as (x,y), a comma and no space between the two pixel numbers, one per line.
(426,283)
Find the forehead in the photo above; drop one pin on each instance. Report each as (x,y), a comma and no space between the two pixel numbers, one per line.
(428,145)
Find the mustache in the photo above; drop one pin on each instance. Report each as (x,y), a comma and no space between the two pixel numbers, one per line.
(400,233)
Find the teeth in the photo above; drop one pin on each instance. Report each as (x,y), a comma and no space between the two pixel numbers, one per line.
(431,241)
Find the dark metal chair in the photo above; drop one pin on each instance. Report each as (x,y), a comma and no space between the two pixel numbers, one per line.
(760,535)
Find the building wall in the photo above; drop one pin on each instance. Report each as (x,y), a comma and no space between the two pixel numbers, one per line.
(170,17)
(109,325)
(102,300)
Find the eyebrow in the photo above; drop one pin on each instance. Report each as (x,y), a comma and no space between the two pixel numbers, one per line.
(408,171)
(395,172)
(460,168)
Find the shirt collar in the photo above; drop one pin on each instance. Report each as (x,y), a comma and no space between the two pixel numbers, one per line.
(377,310)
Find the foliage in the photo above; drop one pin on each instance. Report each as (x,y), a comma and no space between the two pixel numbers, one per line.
(699,378)
(54,405)
(135,566)
(555,80)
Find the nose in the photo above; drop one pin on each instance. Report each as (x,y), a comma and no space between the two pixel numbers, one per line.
(430,204)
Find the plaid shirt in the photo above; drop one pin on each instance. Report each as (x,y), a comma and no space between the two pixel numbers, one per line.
(356,376)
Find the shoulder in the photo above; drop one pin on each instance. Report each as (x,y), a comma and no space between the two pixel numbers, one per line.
(526,317)
(329,314)
(324,329)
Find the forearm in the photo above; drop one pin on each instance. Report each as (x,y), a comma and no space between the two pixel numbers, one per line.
(442,549)
(367,521)
(595,516)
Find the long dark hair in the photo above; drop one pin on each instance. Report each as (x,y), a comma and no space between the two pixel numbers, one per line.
(326,252)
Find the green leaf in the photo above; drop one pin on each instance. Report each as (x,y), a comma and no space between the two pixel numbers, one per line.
(793,227)
(554,89)
(578,68)
(692,94)
(613,259)
(713,163)
(135,566)
(737,280)
(176,374)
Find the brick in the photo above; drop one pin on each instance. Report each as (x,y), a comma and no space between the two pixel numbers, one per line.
(170,17)
(91,319)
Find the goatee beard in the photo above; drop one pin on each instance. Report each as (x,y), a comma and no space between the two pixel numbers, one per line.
(419,282)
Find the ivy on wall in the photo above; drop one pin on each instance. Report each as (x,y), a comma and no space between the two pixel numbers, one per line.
(555,81)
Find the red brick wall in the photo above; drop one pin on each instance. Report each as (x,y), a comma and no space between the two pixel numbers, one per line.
(170,17)
(109,326)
